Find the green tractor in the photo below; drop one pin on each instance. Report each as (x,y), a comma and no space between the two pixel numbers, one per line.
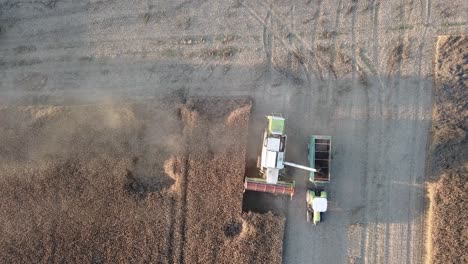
(316,203)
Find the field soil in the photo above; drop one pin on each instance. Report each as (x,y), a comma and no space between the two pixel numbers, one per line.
(360,71)
(448,157)
(154,181)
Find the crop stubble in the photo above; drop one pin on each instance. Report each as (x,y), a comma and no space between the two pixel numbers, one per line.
(448,194)
(154,181)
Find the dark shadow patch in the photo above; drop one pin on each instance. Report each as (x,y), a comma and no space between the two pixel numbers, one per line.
(233,229)
(24,49)
(142,185)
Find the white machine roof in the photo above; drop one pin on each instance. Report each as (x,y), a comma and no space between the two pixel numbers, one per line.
(319,204)
(271,159)
(273,144)
(272,176)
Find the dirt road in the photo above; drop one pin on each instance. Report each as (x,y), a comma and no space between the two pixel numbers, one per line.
(359,71)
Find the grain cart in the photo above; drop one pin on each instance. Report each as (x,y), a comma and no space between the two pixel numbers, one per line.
(271,162)
(320,159)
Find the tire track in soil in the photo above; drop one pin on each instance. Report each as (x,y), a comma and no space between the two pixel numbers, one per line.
(375,190)
(333,53)
(385,189)
(425,16)
(290,41)
(319,69)
(395,85)
(388,186)
(298,52)
(353,38)
(170,238)
(374,195)
(412,171)
(419,113)
(405,246)
(335,34)
(376,48)
(267,47)
(318,15)
(290,76)
(392,93)
(365,176)
(179,213)
(386,109)
(375,33)
(318,18)
(364,180)
(177,218)
(183,210)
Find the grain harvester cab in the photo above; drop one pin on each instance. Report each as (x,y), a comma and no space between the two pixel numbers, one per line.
(272,160)
(316,205)
(273,149)
(320,159)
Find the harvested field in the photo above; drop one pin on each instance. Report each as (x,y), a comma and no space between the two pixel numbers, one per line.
(154,181)
(360,71)
(448,227)
(448,194)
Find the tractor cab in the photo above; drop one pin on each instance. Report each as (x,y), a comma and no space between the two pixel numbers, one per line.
(316,204)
